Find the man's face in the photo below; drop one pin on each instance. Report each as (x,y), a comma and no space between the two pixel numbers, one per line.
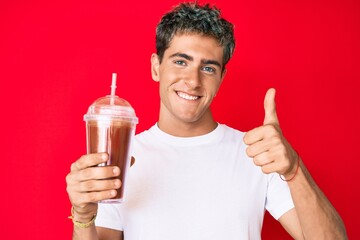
(190,75)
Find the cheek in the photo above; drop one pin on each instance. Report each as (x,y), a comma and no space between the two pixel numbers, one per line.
(175,74)
(170,80)
(212,86)
(169,75)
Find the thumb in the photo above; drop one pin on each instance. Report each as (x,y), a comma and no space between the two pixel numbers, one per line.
(270,108)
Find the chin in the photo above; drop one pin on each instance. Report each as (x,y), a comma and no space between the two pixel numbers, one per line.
(189,119)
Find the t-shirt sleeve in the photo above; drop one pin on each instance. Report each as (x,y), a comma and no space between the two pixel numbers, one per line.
(278,199)
(108,216)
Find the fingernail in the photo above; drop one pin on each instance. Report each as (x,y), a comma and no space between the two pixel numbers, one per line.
(116,171)
(113,192)
(104,156)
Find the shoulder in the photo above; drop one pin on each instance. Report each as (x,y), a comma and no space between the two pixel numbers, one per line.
(144,134)
(231,134)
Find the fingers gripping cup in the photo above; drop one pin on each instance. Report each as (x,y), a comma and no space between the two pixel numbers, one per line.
(110,127)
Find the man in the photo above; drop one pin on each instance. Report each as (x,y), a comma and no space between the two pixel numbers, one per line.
(195,178)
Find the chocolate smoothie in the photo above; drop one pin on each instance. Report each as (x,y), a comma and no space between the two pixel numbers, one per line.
(113,137)
(110,127)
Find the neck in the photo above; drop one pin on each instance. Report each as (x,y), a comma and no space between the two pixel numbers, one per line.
(179,128)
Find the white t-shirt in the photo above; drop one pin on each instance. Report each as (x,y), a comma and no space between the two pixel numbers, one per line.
(203,187)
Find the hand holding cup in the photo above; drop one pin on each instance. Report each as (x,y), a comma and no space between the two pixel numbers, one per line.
(88,184)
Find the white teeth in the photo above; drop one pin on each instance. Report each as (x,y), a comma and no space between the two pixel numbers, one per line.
(186,96)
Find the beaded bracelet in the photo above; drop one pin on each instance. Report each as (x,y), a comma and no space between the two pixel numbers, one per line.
(297,169)
(80,224)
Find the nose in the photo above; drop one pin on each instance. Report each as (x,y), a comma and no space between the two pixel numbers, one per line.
(193,79)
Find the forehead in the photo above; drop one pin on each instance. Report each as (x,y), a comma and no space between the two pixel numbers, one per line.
(196,45)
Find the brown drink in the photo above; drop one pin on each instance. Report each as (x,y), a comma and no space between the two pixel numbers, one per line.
(110,127)
(113,138)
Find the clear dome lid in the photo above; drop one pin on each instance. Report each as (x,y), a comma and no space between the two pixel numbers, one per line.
(111,107)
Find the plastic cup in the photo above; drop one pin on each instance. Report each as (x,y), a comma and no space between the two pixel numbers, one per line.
(110,127)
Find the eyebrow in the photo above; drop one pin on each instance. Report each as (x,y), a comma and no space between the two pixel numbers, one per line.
(190,58)
(182,55)
(212,62)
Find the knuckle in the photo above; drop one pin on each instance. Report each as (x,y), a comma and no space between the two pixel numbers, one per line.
(73,166)
(91,197)
(268,127)
(88,186)
(75,200)
(85,174)
(256,161)
(83,161)
(246,138)
(68,190)
(271,130)
(277,140)
(68,178)
(265,170)
(249,151)
(83,157)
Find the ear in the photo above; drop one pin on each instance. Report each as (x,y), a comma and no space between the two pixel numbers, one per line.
(155,64)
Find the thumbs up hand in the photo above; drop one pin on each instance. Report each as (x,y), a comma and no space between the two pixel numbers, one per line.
(267,145)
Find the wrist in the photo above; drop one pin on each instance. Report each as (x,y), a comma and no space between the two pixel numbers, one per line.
(82,220)
(82,217)
(290,174)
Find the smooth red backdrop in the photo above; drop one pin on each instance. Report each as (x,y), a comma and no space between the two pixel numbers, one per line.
(56,58)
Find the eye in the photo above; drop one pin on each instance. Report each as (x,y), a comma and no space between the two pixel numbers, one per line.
(180,62)
(208,69)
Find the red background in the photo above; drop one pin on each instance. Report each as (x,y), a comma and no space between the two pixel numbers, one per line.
(57,57)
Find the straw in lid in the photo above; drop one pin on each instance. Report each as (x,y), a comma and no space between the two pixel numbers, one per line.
(111,107)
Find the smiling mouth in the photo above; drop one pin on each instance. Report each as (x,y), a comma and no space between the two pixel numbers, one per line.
(187,96)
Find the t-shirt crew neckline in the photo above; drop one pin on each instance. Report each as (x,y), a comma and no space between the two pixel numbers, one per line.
(212,137)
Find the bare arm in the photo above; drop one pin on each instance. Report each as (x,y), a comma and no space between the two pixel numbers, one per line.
(96,233)
(316,215)
(109,234)
(85,233)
